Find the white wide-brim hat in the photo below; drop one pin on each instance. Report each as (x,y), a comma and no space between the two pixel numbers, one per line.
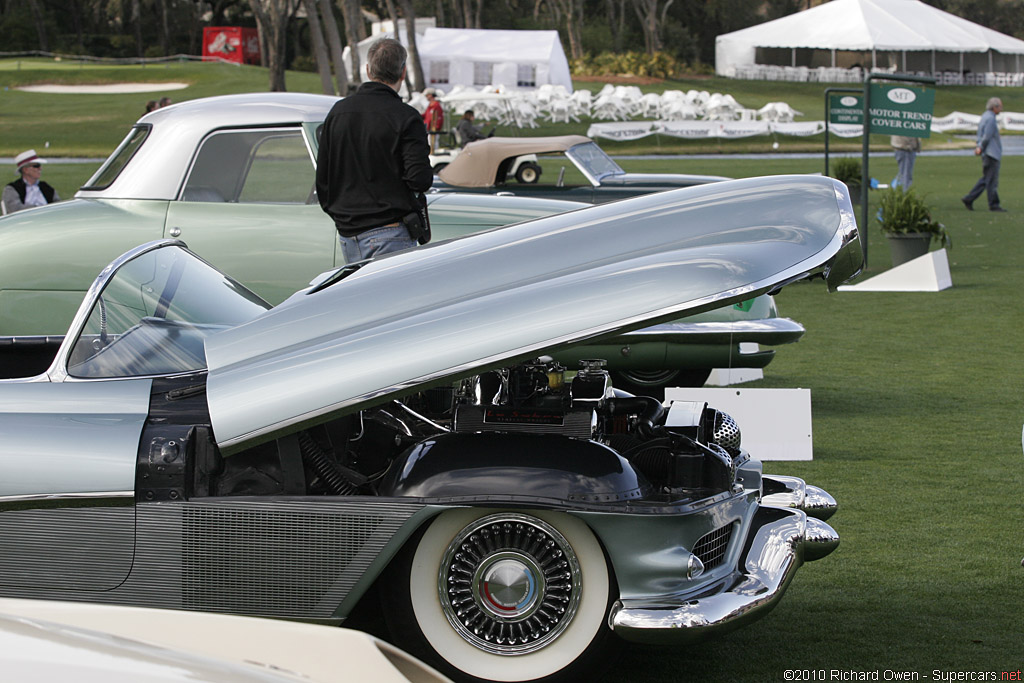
(29,157)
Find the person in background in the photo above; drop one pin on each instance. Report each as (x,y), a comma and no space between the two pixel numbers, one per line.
(467,130)
(433,117)
(990,149)
(373,159)
(151,106)
(906,149)
(28,190)
(164,102)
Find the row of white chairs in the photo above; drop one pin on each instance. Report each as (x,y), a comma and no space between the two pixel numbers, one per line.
(525,108)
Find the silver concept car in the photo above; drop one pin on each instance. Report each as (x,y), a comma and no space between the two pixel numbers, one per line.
(400,426)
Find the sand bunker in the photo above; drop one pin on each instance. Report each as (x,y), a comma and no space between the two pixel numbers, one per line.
(105,89)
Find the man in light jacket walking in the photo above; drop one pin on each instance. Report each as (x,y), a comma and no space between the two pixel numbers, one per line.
(990,149)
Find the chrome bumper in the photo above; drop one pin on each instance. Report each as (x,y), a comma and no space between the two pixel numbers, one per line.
(782,540)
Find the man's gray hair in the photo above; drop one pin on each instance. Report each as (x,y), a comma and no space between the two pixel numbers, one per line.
(993,102)
(385,61)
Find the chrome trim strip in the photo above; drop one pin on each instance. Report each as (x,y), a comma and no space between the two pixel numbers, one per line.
(777,550)
(798,495)
(56,500)
(726,332)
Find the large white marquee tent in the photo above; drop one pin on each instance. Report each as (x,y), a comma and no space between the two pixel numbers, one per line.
(907,36)
(486,57)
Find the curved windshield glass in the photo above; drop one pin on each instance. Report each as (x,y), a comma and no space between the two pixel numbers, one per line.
(113,166)
(593,161)
(152,316)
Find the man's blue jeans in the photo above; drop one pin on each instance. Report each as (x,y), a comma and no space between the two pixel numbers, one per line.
(376,242)
(989,181)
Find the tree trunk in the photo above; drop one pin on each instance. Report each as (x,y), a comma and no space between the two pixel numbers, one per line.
(353,20)
(272,20)
(76,17)
(647,13)
(140,49)
(416,69)
(316,36)
(573,11)
(334,41)
(165,33)
(37,18)
(439,12)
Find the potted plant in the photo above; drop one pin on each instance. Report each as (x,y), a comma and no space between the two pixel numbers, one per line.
(908,224)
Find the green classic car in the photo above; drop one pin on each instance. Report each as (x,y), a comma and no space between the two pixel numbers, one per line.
(233,177)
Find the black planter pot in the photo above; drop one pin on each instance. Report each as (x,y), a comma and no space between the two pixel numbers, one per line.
(908,246)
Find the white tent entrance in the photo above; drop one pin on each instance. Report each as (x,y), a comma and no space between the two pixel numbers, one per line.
(476,58)
(841,40)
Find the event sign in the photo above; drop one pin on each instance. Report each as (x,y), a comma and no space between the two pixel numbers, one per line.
(901,110)
(846,109)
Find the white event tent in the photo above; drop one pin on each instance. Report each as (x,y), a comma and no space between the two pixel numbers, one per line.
(485,57)
(907,36)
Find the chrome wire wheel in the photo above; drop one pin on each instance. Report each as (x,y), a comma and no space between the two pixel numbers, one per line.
(509,583)
(501,595)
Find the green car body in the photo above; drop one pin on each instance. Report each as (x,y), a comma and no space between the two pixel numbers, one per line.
(233,178)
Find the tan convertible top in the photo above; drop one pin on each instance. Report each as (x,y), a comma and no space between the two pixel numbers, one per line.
(477,164)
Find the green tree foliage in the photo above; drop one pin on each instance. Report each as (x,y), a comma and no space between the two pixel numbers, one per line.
(686,28)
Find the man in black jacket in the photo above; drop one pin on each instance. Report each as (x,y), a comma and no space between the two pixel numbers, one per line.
(28,190)
(373,160)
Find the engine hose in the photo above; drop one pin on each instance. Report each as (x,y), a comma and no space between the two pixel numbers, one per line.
(650,412)
(315,457)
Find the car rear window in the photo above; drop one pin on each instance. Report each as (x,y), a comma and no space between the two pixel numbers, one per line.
(113,166)
(267,165)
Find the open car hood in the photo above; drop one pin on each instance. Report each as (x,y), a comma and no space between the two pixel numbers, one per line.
(451,309)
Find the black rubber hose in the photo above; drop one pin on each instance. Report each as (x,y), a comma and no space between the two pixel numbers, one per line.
(650,412)
(315,457)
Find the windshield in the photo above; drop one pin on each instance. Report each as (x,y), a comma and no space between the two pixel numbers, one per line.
(119,159)
(592,160)
(152,316)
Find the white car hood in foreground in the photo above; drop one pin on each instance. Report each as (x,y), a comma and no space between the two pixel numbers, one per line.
(452,308)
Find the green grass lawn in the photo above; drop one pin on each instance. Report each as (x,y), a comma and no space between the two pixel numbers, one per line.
(918,402)
(92,125)
(917,398)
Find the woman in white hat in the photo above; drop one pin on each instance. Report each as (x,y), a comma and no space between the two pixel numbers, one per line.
(28,190)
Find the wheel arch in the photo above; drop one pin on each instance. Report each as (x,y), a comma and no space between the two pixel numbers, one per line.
(514,468)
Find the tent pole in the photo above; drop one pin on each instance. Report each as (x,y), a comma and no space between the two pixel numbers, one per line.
(904,61)
(834,59)
(793,57)
(933,64)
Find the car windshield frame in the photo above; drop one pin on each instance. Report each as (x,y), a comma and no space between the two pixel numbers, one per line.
(166,300)
(593,162)
(119,160)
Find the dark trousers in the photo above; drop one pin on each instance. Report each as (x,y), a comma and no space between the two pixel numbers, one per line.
(989,181)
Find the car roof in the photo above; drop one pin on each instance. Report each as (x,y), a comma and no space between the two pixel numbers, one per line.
(159,166)
(477,164)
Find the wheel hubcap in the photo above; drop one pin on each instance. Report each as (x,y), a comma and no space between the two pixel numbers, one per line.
(509,584)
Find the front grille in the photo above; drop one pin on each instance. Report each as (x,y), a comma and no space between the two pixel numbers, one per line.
(712,546)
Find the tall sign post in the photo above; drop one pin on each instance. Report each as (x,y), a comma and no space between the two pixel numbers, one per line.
(843,106)
(892,109)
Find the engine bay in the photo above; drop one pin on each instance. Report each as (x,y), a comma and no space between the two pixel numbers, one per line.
(532,427)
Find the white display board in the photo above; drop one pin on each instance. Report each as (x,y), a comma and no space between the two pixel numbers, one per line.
(775,424)
(928,273)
